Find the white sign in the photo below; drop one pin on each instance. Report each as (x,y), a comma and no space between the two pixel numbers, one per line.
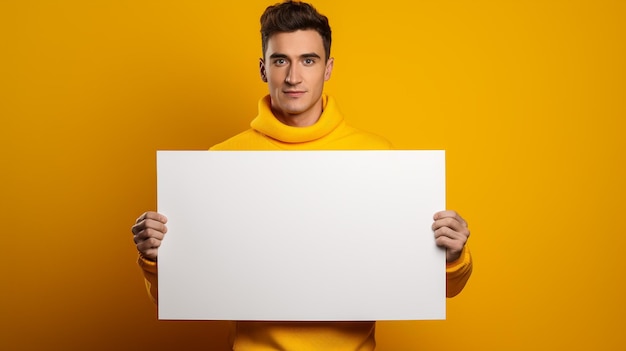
(301,235)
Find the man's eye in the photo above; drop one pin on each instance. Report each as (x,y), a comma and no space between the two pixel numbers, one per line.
(279,62)
(309,61)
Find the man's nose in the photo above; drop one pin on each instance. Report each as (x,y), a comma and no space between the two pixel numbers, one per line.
(293,75)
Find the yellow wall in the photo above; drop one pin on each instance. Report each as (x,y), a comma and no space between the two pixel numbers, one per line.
(527,97)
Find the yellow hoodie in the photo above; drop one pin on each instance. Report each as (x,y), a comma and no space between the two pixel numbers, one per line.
(330,132)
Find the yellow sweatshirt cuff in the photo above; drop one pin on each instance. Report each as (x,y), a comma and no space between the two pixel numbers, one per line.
(460,263)
(146,264)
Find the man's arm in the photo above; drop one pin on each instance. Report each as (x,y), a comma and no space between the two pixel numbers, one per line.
(458,273)
(149,270)
(149,231)
(451,233)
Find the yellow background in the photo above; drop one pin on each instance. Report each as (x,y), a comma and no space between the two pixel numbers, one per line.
(527,97)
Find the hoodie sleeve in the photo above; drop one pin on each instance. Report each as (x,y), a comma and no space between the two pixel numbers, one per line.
(458,272)
(149,270)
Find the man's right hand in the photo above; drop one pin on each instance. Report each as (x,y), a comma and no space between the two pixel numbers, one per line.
(148,232)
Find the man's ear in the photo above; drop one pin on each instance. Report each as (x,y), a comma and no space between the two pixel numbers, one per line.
(262,70)
(329,68)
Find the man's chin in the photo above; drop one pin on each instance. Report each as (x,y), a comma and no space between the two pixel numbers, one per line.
(292,109)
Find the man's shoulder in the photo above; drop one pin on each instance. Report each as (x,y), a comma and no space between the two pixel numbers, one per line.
(365,140)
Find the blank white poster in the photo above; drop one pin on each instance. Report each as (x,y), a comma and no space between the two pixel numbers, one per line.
(301,235)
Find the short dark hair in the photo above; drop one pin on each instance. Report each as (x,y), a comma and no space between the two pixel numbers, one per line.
(290,16)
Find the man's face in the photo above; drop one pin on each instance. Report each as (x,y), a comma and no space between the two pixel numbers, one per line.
(295,70)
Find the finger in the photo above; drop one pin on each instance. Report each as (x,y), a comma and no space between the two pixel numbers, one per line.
(453,248)
(158,224)
(150,254)
(449,214)
(453,223)
(452,244)
(150,243)
(456,231)
(141,218)
(152,215)
(137,227)
(149,248)
(444,214)
(448,232)
(148,234)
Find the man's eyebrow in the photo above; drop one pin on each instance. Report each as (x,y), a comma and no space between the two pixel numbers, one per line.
(283,56)
(310,55)
(276,55)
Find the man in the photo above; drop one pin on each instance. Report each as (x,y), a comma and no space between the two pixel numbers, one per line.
(296,115)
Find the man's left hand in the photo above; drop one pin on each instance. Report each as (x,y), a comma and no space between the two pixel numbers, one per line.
(451,232)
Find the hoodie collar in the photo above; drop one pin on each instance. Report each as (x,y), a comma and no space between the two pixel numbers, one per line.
(267,124)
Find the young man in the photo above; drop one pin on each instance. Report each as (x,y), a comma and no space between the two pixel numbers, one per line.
(296,115)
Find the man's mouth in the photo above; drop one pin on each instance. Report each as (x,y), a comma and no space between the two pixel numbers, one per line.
(294,93)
